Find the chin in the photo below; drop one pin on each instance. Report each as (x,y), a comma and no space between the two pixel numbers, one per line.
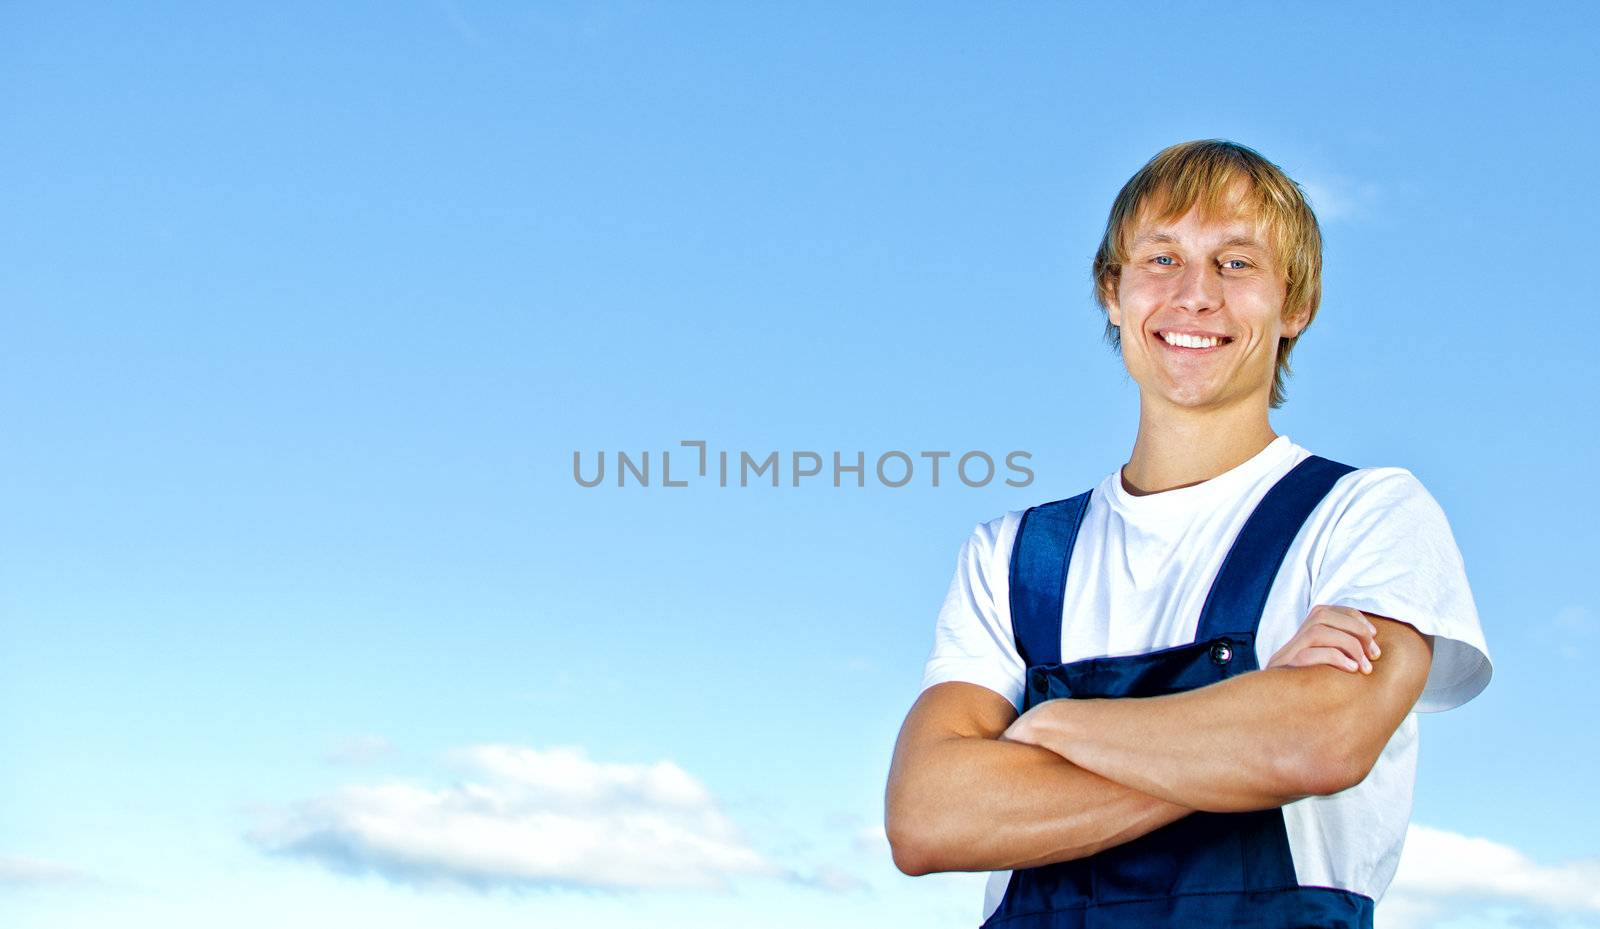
(1189,396)
(1193,397)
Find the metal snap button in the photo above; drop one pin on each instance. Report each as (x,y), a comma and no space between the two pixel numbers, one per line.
(1222,653)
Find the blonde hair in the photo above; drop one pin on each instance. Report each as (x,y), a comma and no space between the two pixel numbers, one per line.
(1211,173)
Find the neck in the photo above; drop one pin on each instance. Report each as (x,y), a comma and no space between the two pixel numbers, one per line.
(1178,447)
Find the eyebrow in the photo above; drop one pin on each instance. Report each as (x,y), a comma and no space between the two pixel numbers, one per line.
(1165,238)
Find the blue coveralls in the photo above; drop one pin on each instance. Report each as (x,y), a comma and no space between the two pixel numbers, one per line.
(1207,869)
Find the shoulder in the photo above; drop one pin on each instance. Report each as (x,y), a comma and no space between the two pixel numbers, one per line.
(992,540)
(1393,482)
(986,552)
(1388,550)
(1391,496)
(1381,514)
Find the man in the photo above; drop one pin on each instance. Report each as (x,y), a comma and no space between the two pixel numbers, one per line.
(1217,652)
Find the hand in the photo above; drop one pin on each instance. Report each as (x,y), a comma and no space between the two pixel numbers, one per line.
(1337,636)
(1026,728)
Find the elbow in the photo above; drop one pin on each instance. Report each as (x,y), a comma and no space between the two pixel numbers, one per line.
(914,841)
(912,861)
(911,848)
(1325,767)
(918,838)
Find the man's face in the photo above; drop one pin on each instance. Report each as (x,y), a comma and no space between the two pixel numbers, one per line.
(1200,308)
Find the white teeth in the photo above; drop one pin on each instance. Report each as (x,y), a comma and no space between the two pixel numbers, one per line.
(1190,341)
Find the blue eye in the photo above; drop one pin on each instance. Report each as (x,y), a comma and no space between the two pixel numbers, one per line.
(1242,264)
(1162,259)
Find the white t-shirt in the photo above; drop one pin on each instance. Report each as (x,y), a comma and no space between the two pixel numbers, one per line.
(1139,575)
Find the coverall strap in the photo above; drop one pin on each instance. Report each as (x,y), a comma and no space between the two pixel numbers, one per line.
(1239,594)
(1039,559)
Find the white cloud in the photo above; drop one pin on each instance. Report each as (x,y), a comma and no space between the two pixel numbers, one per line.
(529,818)
(1574,625)
(873,840)
(31,872)
(1440,871)
(361,749)
(834,880)
(459,23)
(1336,198)
(1575,618)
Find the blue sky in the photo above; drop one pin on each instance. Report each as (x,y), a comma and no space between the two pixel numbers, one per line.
(306,310)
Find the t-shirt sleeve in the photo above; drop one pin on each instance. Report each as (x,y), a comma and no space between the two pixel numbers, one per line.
(1391,553)
(972,641)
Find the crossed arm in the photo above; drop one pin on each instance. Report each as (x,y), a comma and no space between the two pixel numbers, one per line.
(974,787)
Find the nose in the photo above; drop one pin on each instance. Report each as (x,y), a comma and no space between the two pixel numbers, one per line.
(1199,289)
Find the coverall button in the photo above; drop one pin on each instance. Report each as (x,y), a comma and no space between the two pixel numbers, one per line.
(1222,653)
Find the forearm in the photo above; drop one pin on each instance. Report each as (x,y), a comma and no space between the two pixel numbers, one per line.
(990,805)
(1251,742)
(978,804)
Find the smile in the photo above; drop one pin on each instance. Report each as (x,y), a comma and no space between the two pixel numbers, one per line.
(1187,340)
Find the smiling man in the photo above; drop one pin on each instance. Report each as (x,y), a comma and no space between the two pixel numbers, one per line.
(1187,697)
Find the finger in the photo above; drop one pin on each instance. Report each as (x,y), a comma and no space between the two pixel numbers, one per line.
(1352,645)
(1314,633)
(1323,655)
(1323,644)
(1346,617)
(1352,621)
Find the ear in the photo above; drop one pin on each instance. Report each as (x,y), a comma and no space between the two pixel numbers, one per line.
(1113,310)
(1295,323)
